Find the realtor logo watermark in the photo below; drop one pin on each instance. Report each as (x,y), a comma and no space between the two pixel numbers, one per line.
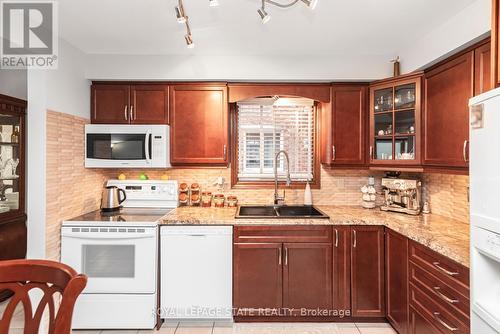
(29,33)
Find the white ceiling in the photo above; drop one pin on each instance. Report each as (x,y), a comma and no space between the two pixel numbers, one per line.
(336,27)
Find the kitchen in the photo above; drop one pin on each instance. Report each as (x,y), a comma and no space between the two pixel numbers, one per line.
(345,186)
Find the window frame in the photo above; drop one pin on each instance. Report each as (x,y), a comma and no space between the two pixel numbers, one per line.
(315,183)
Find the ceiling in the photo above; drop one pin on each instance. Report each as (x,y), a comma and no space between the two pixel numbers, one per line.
(335,27)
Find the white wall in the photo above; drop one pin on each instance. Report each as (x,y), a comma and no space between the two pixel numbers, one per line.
(470,25)
(67,89)
(63,90)
(14,83)
(238,68)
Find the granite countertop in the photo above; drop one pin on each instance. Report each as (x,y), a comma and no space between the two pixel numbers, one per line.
(444,235)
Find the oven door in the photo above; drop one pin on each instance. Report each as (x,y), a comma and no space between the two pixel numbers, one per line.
(118,149)
(116,260)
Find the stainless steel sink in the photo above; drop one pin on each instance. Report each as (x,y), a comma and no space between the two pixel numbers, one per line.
(287,211)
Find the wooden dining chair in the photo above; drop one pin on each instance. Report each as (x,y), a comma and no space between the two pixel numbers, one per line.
(55,281)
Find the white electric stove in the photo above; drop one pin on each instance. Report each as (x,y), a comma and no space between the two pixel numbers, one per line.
(118,251)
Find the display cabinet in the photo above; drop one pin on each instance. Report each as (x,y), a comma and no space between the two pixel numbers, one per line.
(395,110)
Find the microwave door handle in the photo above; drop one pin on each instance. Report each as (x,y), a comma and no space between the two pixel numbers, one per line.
(147,145)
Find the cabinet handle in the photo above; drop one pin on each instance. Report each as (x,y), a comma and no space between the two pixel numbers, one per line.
(126,113)
(225,152)
(466,143)
(437,316)
(371,153)
(355,239)
(334,153)
(437,289)
(447,272)
(132,117)
(286,256)
(279,256)
(336,238)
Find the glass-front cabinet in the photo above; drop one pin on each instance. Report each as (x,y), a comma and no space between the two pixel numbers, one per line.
(12,140)
(395,121)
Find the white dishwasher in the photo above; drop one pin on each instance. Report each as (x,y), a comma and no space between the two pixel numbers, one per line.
(196,272)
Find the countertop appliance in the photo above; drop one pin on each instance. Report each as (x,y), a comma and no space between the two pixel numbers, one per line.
(112,197)
(484,211)
(127,146)
(118,251)
(196,272)
(402,195)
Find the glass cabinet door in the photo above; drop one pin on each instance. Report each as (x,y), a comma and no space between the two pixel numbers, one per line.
(10,159)
(395,121)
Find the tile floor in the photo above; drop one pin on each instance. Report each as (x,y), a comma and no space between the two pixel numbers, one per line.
(259,328)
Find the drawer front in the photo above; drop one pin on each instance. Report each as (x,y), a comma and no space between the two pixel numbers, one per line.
(321,234)
(420,325)
(448,271)
(436,315)
(447,297)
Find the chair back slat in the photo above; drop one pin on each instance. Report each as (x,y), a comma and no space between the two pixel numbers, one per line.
(50,278)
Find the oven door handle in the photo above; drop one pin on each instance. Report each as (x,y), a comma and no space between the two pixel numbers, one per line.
(106,236)
(147,146)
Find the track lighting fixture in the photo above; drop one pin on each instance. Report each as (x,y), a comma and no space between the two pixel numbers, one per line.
(264,15)
(179,12)
(213,3)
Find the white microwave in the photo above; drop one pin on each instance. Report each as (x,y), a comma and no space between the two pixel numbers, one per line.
(127,146)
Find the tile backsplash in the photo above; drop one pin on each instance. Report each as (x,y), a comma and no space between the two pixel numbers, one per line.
(73,190)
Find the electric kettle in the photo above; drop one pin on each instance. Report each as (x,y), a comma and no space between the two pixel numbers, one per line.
(111,200)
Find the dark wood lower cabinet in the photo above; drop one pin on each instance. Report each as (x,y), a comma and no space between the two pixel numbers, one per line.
(258,279)
(342,268)
(396,274)
(367,271)
(13,243)
(307,276)
(420,325)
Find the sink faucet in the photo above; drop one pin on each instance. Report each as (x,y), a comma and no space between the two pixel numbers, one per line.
(280,200)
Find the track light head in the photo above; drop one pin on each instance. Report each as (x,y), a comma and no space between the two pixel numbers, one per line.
(189,41)
(213,3)
(264,15)
(179,13)
(310,3)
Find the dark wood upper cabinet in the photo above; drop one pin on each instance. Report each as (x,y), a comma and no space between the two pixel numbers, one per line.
(307,276)
(110,104)
(345,138)
(395,114)
(149,104)
(367,271)
(199,125)
(448,89)
(342,268)
(258,279)
(396,273)
(482,69)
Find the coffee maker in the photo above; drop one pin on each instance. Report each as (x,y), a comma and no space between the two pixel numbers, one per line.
(402,195)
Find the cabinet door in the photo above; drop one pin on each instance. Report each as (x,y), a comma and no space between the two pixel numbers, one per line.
(110,104)
(149,104)
(367,271)
(420,325)
(396,273)
(307,276)
(482,69)
(199,125)
(342,268)
(448,89)
(257,276)
(348,124)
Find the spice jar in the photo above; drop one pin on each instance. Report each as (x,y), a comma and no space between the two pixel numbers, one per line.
(206,199)
(219,200)
(232,201)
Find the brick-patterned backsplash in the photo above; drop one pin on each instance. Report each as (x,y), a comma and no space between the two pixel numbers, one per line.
(71,189)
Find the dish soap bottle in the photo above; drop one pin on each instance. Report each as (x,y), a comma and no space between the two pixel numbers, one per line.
(308,195)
